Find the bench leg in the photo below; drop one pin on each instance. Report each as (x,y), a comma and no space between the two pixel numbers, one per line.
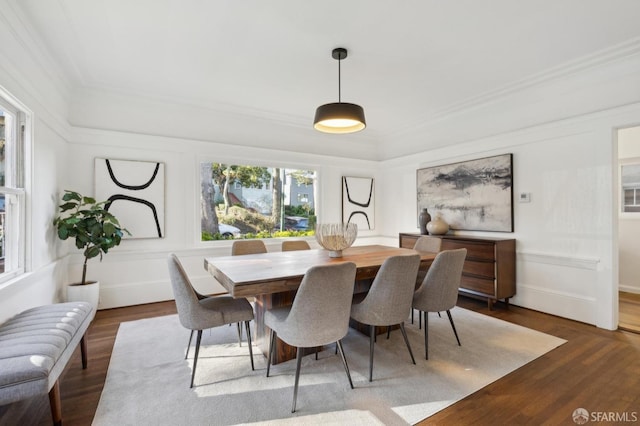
(83,351)
(56,404)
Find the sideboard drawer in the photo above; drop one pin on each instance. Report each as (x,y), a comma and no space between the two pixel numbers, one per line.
(483,269)
(475,250)
(481,285)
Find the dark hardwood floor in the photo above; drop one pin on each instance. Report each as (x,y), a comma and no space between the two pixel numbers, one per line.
(597,370)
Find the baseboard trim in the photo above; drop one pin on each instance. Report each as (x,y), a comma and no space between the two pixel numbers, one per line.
(628,289)
(562,304)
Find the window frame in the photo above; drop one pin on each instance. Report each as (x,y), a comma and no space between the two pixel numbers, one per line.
(249,160)
(635,161)
(16,189)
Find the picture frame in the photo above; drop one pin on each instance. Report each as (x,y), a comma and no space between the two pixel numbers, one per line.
(358,202)
(136,194)
(474,195)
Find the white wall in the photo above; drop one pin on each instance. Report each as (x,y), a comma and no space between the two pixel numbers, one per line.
(27,75)
(135,272)
(559,127)
(629,224)
(564,235)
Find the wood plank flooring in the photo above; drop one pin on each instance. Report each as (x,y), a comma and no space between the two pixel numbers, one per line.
(629,311)
(596,369)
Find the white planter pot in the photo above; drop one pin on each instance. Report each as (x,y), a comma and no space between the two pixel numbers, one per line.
(89,292)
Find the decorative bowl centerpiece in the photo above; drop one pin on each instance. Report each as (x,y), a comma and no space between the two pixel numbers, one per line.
(336,237)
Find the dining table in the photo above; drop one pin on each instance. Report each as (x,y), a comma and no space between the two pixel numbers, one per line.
(272,279)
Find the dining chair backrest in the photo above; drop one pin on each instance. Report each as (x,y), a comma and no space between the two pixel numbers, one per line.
(389,298)
(439,289)
(428,244)
(241,247)
(320,311)
(292,245)
(191,314)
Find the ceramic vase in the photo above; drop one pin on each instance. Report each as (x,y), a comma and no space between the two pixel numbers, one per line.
(437,226)
(423,218)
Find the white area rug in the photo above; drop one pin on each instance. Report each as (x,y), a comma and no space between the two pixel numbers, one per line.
(148,378)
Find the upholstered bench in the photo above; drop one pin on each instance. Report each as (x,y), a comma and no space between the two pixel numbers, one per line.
(36,345)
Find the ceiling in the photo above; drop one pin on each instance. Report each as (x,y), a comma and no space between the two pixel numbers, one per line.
(409,61)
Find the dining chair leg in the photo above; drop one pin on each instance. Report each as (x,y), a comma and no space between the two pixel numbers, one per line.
(295,385)
(195,358)
(420,321)
(239,327)
(344,362)
(412,315)
(272,340)
(188,345)
(388,332)
(246,325)
(453,326)
(406,340)
(372,334)
(426,336)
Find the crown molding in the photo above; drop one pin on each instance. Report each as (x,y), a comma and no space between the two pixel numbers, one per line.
(600,58)
(23,31)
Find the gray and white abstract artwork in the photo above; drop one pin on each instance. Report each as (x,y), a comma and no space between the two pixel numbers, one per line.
(471,195)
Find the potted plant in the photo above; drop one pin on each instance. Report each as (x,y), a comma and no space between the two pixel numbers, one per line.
(95,231)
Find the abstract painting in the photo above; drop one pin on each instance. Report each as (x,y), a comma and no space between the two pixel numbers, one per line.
(358,202)
(135,191)
(471,195)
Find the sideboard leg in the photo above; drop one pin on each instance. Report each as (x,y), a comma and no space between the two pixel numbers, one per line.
(490,303)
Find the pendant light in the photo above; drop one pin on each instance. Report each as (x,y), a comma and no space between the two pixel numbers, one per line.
(339,117)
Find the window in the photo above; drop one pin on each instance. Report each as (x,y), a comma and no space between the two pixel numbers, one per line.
(259,201)
(12,192)
(630,180)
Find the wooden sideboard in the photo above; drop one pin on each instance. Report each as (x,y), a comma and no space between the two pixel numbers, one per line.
(489,269)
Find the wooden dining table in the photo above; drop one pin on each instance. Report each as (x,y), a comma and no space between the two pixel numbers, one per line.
(273,278)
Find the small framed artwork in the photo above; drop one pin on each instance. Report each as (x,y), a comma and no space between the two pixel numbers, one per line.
(358,202)
(135,191)
(474,195)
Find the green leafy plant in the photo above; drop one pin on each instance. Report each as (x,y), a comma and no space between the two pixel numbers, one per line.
(94,229)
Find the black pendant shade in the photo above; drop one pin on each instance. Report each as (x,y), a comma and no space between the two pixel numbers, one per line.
(339,117)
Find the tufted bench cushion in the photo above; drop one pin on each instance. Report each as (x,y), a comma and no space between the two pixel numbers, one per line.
(36,345)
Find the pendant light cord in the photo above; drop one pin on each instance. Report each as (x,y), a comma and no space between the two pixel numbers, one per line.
(339,87)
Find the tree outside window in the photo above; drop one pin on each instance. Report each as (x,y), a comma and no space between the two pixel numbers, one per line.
(246,201)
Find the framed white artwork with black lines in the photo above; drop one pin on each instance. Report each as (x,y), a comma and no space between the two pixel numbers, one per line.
(358,202)
(135,191)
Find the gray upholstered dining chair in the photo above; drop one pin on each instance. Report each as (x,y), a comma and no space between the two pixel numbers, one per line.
(318,316)
(389,299)
(241,247)
(198,312)
(429,244)
(439,289)
(292,245)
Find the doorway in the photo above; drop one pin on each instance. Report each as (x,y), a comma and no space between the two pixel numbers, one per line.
(629,228)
